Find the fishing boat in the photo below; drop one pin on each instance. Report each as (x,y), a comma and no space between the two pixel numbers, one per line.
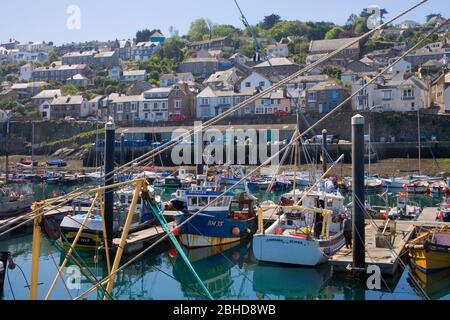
(52,177)
(303,178)
(56,163)
(91,237)
(371,184)
(439,188)
(377,212)
(17,179)
(96,176)
(12,204)
(219,223)
(443,213)
(405,209)
(305,234)
(28,163)
(430,249)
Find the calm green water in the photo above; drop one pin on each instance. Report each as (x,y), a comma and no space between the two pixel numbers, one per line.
(229,273)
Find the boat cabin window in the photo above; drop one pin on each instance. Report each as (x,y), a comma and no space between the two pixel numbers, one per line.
(329,203)
(202,201)
(193,201)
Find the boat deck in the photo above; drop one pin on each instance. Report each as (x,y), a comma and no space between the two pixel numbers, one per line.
(137,241)
(388,260)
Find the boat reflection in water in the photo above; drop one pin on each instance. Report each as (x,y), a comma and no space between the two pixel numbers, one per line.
(287,282)
(213,265)
(435,285)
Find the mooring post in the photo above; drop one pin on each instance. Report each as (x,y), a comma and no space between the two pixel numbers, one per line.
(358,192)
(4,256)
(324,150)
(110,139)
(122,149)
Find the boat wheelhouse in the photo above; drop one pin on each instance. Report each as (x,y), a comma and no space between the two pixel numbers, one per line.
(91,237)
(216,222)
(306,234)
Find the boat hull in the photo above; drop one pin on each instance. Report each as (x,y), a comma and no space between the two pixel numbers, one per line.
(295,251)
(208,230)
(431,258)
(14,208)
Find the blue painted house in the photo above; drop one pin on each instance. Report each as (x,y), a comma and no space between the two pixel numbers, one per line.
(324,97)
(157,37)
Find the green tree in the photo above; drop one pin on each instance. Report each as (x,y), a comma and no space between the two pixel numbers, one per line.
(223,30)
(69,90)
(13,105)
(270,21)
(334,33)
(53,56)
(333,71)
(173,49)
(144,35)
(199,29)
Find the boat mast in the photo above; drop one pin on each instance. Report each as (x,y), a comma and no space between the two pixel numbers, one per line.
(420,141)
(7,153)
(32,146)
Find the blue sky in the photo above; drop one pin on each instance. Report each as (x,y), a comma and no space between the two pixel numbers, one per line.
(31,20)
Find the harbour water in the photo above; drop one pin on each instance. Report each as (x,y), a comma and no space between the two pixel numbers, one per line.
(229,273)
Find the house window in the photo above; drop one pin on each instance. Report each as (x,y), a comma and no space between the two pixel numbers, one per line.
(387,95)
(413,106)
(177,104)
(248,84)
(155,106)
(408,93)
(164,106)
(133,107)
(205,101)
(262,84)
(311,97)
(119,108)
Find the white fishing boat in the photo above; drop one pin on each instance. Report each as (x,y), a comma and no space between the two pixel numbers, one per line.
(12,204)
(405,210)
(91,237)
(306,234)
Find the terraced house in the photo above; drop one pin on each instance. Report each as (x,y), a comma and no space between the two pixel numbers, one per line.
(154,105)
(210,102)
(324,97)
(76,107)
(58,72)
(124,108)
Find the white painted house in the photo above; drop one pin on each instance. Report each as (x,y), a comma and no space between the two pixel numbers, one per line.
(255,80)
(278,50)
(401,67)
(210,102)
(155,105)
(5,115)
(395,95)
(26,72)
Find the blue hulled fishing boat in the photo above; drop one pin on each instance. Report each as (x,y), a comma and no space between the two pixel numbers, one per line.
(218,224)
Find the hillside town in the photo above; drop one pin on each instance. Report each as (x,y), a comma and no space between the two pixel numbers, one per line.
(280,160)
(156,79)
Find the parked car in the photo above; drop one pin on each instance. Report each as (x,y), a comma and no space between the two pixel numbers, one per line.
(281,113)
(331,139)
(69,118)
(91,119)
(177,117)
